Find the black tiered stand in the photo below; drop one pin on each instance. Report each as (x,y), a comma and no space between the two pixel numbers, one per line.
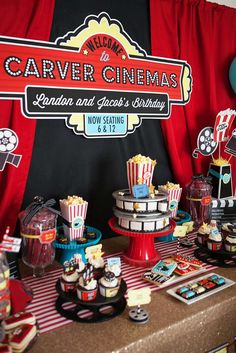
(115,306)
(220,258)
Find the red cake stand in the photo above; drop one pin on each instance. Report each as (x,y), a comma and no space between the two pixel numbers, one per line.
(141,251)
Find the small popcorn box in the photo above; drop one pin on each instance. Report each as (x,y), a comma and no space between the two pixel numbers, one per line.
(75,215)
(139,173)
(174,196)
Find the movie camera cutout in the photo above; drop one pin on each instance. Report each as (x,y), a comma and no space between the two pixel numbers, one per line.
(8,143)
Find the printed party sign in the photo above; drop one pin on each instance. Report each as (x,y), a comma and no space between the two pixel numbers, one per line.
(96,78)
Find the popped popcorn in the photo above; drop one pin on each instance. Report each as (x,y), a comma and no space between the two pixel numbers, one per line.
(73,200)
(142,159)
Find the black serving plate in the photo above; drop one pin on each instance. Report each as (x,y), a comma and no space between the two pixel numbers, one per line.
(96,308)
(220,258)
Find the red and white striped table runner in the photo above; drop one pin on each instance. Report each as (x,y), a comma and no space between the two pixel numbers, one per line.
(45,295)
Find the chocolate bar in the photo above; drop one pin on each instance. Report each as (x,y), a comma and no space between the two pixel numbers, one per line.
(157,278)
(189,260)
(22,336)
(18,319)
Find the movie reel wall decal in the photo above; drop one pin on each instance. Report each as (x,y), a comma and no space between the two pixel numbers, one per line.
(205,143)
(8,143)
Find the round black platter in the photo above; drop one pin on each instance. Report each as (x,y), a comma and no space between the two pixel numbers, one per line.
(220,258)
(100,309)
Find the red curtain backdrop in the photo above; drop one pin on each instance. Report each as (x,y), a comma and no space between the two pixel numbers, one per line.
(203,34)
(32,20)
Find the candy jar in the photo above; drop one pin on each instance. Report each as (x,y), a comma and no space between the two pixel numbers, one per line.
(199,199)
(38,233)
(5,303)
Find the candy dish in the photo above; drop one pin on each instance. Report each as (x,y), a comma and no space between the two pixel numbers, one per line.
(182,217)
(206,286)
(69,250)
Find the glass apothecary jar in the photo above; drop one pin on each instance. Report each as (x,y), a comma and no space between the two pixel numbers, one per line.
(199,199)
(38,235)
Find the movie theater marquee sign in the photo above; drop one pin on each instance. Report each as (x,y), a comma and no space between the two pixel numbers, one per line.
(96,78)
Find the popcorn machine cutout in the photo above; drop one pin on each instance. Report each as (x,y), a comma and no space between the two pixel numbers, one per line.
(209,139)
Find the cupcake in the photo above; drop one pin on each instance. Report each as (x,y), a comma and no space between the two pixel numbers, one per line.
(98,265)
(109,285)
(69,277)
(87,286)
(214,241)
(203,233)
(226,229)
(115,268)
(230,242)
(79,264)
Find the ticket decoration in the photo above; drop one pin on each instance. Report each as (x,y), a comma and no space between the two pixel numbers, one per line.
(10,244)
(165,267)
(139,296)
(140,191)
(180,231)
(96,78)
(94,251)
(114,261)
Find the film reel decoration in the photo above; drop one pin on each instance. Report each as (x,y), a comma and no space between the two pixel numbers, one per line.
(205,143)
(8,143)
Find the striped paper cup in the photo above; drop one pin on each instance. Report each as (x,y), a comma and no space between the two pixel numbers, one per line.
(76,215)
(174,196)
(139,173)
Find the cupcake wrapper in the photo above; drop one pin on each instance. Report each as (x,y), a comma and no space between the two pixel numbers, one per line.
(213,246)
(136,171)
(200,239)
(230,247)
(87,295)
(108,292)
(66,287)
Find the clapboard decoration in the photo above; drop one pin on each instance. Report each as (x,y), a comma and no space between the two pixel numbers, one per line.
(12,259)
(224,210)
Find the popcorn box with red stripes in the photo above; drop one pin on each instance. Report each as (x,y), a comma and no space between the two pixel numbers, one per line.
(174,196)
(75,215)
(139,173)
